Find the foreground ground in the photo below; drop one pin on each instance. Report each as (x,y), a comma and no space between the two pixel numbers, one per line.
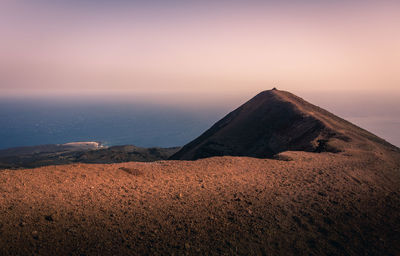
(315,204)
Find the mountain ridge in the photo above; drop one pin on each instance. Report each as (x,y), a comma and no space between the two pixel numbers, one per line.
(274,121)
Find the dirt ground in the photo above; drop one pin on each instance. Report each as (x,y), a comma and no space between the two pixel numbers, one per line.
(316,204)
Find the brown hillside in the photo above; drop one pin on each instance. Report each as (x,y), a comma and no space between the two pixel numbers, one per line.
(275,121)
(316,204)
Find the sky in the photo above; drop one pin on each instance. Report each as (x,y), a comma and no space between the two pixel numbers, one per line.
(207,55)
(189,50)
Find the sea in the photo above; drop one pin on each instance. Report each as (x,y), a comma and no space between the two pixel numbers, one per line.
(36,122)
(29,122)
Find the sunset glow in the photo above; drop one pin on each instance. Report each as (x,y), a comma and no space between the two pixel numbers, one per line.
(70,47)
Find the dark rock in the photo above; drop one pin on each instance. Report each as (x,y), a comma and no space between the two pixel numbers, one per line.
(48,218)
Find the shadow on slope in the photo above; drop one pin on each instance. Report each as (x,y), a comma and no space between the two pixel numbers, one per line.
(275,121)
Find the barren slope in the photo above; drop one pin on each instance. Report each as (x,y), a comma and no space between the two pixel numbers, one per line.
(316,204)
(275,121)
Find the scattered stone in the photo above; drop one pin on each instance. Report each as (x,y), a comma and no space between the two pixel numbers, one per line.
(132,171)
(35,235)
(48,218)
(187,246)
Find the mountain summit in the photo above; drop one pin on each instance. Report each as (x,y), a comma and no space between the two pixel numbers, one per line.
(275,121)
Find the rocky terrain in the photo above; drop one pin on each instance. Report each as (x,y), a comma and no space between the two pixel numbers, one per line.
(314,204)
(275,121)
(330,188)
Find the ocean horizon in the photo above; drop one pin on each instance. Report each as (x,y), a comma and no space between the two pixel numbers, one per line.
(38,122)
(31,122)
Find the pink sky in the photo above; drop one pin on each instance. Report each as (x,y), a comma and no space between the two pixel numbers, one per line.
(187,49)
